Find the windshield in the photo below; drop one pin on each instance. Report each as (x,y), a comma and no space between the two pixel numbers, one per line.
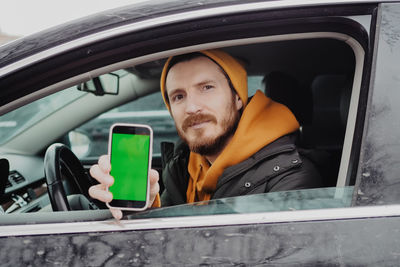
(22,118)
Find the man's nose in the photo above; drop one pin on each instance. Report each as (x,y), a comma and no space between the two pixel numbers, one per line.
(193,104)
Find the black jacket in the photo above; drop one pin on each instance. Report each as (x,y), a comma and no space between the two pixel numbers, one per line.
(276,167)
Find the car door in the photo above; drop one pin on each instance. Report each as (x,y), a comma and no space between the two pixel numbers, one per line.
(352,223)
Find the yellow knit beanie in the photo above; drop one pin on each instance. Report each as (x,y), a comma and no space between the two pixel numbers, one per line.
(235,71)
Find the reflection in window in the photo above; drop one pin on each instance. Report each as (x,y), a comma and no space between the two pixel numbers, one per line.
(305,199)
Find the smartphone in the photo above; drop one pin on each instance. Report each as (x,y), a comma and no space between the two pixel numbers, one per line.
(130,150)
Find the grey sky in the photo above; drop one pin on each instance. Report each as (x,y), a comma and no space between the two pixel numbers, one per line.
(23,17)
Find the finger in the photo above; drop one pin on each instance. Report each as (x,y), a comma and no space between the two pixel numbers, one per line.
(153,192)
(117,214)
(154,186)
(100,176)
(99,192)
(104,164)
(153,176)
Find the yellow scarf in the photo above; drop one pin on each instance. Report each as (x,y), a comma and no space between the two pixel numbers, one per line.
(262,122)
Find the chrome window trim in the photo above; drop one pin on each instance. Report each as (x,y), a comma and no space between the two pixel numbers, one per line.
(343,178)
(203,221)
(163,20)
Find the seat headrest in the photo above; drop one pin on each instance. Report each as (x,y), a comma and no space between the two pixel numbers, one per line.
(285,89)
(331,95)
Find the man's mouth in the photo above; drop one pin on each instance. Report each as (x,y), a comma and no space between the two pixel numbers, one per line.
(198,125)
(198,121)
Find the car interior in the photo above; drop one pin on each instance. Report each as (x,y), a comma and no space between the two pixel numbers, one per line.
(316,76)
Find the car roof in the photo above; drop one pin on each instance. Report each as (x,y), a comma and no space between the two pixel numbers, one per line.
(118,17)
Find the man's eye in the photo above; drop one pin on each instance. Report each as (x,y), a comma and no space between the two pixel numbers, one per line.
(208,87)
(177,97)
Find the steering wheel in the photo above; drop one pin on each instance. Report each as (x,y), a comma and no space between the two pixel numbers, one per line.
(60,161)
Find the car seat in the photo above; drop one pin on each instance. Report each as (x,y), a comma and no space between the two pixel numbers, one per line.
(331,99)
(321,109)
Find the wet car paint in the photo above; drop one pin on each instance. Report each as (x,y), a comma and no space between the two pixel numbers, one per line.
(362,242)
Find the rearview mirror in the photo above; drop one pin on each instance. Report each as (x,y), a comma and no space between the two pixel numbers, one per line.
(107,84)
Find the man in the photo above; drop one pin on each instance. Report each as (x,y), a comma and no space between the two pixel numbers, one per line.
(231,146)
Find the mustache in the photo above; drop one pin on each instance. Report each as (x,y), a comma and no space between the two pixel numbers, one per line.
(197,118)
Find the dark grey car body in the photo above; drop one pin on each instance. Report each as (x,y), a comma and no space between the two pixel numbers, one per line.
(366,234)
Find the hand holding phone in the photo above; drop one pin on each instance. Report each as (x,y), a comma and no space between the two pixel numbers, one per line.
(101,173)
(130,150)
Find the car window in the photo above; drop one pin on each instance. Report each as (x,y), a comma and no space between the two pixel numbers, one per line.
(305,199)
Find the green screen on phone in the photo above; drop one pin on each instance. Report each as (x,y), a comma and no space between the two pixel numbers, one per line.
(129,166)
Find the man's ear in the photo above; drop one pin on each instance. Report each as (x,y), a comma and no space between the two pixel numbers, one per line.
(238,102)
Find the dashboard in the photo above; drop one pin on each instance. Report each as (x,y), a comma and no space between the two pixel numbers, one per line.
(25,188)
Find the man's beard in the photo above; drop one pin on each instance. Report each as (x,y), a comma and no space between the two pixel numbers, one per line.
(212,145)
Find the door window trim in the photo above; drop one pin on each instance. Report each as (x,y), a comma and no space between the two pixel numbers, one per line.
(200,221)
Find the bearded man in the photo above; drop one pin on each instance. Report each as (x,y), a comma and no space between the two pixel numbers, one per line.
(230,146)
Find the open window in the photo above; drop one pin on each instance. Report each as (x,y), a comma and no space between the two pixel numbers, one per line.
(316,75)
